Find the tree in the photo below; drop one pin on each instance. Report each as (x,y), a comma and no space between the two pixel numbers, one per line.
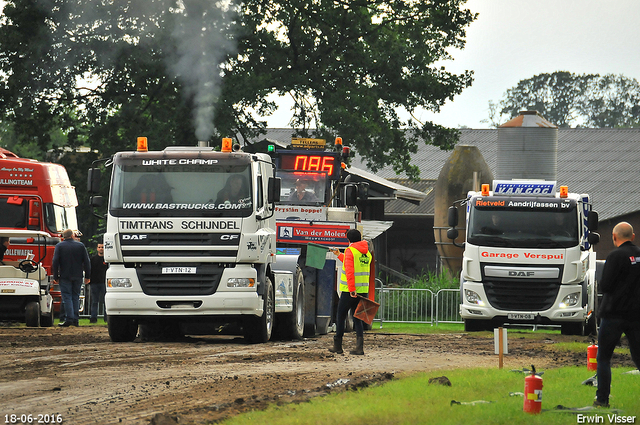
(611,101)
(568,99)
(179,71)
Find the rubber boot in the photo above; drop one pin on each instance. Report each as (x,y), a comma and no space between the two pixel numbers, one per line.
(359,346)
(337,345)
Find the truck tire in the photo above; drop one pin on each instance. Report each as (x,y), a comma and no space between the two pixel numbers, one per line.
(574,328)
(294,322)
(122,329)
(258,329)
(475,325)
(32,314)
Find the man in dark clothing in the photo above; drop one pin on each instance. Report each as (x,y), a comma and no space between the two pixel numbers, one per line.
(619,312)
(98,284)
(70,260)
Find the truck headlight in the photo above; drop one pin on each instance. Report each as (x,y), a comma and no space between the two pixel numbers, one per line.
(119,282)
(240,282)
(473,297)
(570,300)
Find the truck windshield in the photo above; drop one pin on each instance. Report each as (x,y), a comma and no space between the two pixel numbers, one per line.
(13,215)
(58,218)
(302,188)
(188,190)
(523,223)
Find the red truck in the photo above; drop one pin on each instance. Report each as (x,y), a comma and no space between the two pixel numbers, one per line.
(35,196)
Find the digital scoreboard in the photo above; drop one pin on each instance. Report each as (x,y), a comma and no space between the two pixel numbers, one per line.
(328,162)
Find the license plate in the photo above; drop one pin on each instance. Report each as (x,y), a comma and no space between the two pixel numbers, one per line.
(179,270)
(520,316)
(8,291)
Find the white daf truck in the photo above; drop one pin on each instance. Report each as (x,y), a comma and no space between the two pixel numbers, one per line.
(528,257)
(185,254)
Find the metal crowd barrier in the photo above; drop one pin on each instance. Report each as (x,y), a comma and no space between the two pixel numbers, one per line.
(411,305)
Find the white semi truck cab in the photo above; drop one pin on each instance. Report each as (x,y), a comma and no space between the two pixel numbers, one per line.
(528,257)
(190,241)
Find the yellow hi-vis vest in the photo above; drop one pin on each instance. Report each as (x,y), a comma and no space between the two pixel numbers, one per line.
(361,270)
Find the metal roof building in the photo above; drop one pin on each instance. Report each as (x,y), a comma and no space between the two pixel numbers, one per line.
(605,163)
(602,162)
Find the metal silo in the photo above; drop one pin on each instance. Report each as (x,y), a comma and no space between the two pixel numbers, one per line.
(527,148)
(464,170)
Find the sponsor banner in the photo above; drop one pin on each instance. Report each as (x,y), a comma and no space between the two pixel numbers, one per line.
(307,143)
(305,232)
(523,203)
(296,212)
(18,283)
(208,206)
(533,188)
(139,225)
(523,256)
(16,176)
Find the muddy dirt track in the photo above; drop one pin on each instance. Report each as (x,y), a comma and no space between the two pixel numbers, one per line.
(79,374)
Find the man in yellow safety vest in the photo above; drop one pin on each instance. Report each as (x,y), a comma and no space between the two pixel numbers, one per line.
(354,281)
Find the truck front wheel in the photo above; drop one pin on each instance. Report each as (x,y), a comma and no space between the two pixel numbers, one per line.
(121,329)
(575,328)
(475,325)
(258,329)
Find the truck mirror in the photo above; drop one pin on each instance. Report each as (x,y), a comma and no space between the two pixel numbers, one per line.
(593,220)
(452,234)
(350,195)
(273,189)
(95,201)
(93,180)
(452,216)
(363,190)
(594,238)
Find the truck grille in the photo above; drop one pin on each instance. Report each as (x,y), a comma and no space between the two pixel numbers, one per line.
(521,295)
(204,282)
(180,245)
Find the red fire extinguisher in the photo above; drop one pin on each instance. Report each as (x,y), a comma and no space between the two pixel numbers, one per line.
(592,356)
(532,392)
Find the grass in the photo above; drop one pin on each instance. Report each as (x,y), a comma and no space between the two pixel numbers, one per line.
(85,322)
(416,328)
(413,401)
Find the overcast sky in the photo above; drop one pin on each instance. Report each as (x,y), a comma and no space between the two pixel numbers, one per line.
(512,40)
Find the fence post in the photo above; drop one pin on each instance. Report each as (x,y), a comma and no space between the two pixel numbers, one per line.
(381,301)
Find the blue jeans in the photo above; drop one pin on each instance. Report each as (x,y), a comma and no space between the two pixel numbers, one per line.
(609,335)
(70,294)
(345,304)
(97,299)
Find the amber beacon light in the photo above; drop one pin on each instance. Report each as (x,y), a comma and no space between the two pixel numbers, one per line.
(564,191)
(142,144)
(227,144)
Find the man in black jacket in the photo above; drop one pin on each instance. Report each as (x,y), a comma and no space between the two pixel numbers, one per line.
(70,260)
(98,283)
(619,310)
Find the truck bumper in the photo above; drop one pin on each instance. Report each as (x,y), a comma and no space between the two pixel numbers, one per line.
(556,314)
(225,301)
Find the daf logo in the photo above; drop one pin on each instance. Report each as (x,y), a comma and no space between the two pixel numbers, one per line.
(229,237)
(522,274)
(134,237)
